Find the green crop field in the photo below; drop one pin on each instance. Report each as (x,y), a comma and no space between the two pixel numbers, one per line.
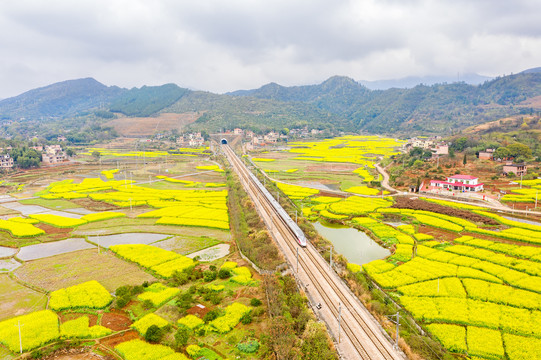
(16,299)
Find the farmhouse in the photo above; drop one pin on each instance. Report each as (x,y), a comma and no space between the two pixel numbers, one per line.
(488,154)
(53,154)
(517,169)
(458,183)
(6,161)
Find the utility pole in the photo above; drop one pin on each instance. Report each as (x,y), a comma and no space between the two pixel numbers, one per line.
(339,319)
(20,337)
(330,260)
(296,216)
(397,322)
(297,259)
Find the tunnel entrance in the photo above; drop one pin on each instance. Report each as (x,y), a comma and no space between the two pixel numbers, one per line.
(224,141)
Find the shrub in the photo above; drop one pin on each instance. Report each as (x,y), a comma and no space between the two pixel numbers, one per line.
(255,302)
(224,274)
(153,334)
(181,336)
(211,315)
(249,347)
(209,276)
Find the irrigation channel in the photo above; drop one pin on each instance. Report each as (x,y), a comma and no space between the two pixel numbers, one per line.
(358,334)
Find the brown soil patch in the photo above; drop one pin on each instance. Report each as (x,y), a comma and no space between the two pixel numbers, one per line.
(76,354)
(145,126)
(116,321)
(440,235)
(93,319)
(418,204)
(94,205)
(335,167)
(196,310)
(54,232)
(116,339)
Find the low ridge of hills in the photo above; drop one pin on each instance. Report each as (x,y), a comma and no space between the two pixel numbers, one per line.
(339,103)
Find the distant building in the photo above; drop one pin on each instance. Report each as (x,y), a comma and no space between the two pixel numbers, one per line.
(238,131)
(422,143)
(488,154)
(271,137)
(462,183)
(440,150)
(53,155)
(6,161)
(61,138)
(517,169)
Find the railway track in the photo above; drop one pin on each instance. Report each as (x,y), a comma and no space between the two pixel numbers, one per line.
(358,326)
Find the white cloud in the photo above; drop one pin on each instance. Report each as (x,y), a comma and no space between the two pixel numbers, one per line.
(220,46)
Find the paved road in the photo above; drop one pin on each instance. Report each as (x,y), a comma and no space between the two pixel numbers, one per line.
(385,182)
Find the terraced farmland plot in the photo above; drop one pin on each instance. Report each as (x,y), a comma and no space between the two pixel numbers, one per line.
(60,271)
(482,294)
(331,162)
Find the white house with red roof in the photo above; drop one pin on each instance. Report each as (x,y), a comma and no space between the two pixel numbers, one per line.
(462,183)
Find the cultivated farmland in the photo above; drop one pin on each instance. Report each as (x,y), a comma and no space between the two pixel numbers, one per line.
(471,278)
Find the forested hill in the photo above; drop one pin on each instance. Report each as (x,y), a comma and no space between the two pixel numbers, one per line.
(67,98)
(437,108)
(339,103)
(76,97)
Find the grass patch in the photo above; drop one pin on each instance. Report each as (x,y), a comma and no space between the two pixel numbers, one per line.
(54,204)
(16,299)
(7,240)
(70,269)
(5,354)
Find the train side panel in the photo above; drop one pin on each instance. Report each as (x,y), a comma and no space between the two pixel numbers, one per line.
(301,238)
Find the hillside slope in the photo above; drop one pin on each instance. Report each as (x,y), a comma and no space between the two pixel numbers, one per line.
(339,103)
(61,99)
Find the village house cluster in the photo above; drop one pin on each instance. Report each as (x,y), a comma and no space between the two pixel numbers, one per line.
(435,144)
(50,154)
(191,140)
(509,167)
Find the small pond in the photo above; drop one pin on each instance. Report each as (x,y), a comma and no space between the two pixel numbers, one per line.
(355,245)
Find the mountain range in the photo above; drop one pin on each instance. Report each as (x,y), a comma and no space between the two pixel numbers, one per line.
(339,103)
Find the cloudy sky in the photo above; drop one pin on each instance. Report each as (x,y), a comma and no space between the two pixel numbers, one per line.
(220,46)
